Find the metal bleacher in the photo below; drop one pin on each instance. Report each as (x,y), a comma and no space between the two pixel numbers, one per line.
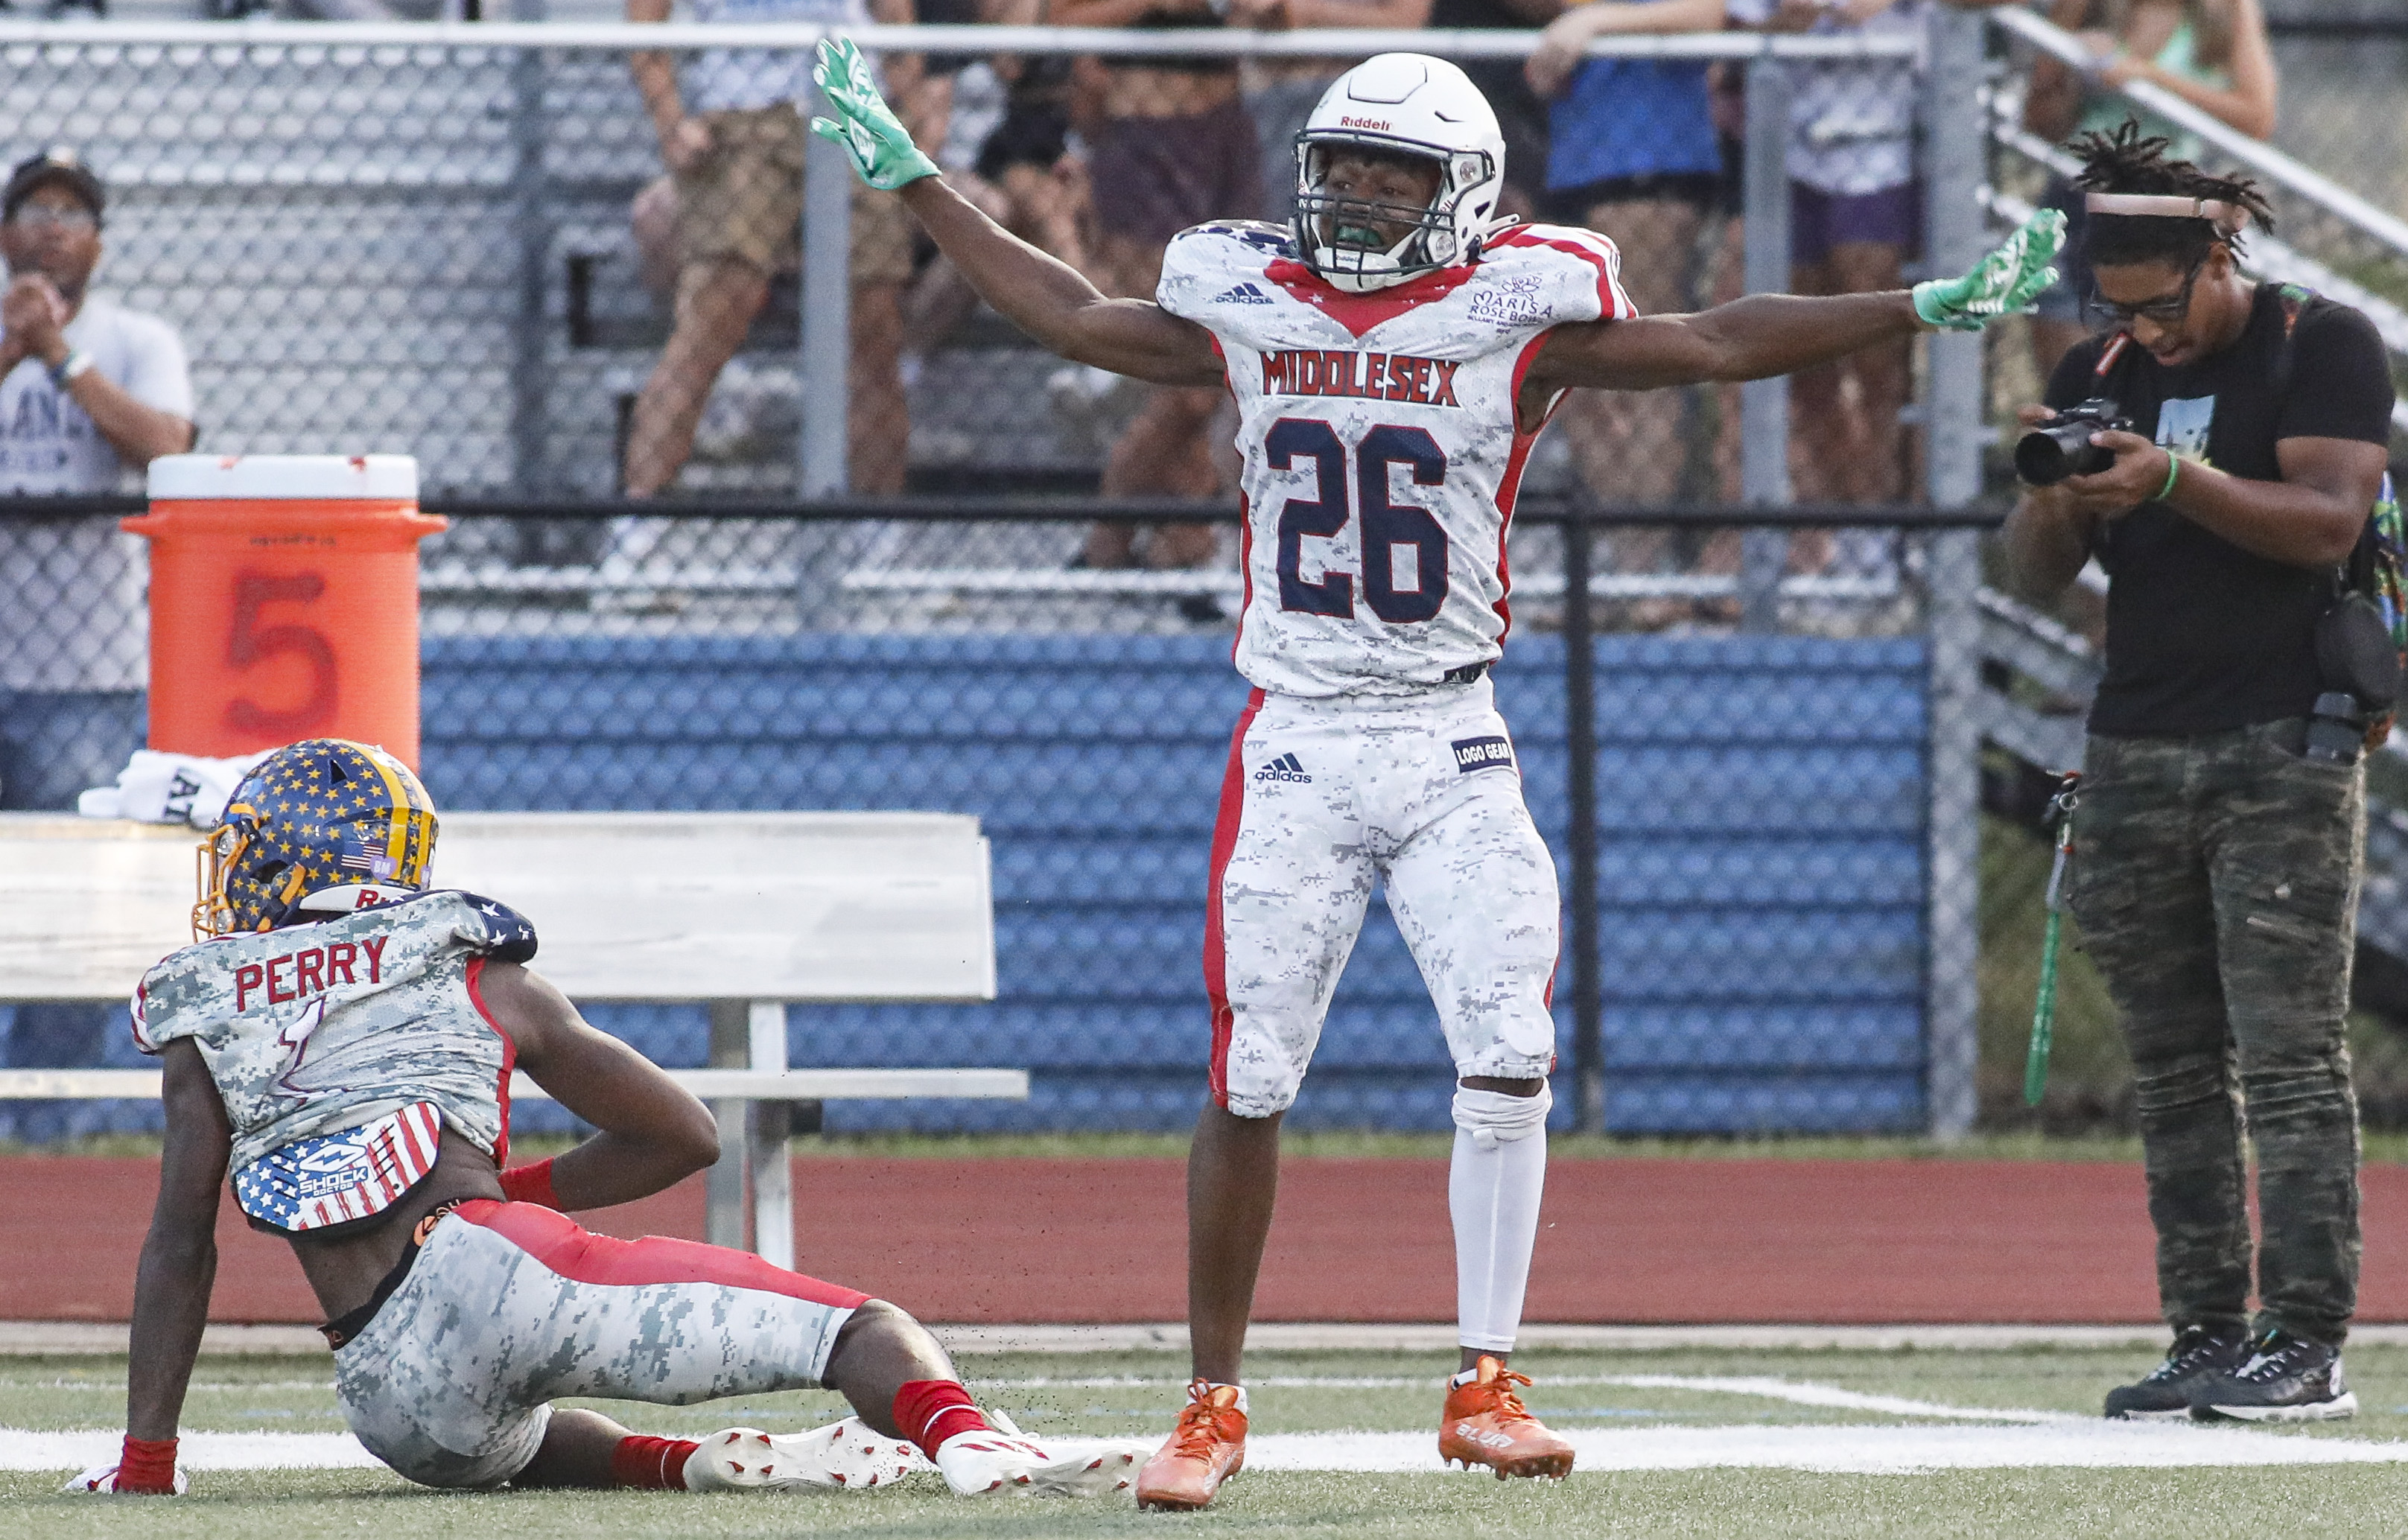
(1762,846)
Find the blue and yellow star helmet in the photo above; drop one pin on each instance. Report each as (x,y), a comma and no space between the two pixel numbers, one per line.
(324,825)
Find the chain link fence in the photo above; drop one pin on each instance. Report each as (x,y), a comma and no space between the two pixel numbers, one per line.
(2330,172)
(1751,747)
(1746,946)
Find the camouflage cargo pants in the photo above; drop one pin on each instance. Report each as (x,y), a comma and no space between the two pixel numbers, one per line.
(2216,884)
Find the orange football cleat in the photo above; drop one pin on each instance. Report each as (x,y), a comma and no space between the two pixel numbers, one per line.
(1206,1448)
(1486,1424)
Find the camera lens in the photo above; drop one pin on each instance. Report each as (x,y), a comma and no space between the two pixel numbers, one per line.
(2045,456)
(2042,457)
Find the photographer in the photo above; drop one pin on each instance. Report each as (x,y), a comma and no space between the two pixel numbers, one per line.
(2218,839)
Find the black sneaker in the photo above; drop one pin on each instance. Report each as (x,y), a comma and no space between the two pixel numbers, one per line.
(2286,1379)
(2197,1356)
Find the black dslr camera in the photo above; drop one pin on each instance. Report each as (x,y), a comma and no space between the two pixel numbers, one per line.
(2049,454)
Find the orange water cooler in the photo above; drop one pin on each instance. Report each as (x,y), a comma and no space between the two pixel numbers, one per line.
(283,600)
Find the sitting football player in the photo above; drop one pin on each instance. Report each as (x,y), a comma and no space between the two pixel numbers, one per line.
(344,1038)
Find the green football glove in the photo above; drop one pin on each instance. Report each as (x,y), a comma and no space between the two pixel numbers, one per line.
(876,141)
(2005,281)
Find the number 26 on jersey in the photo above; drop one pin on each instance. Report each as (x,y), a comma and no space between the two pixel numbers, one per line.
(1397,540)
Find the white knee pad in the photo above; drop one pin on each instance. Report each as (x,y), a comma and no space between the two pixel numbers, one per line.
(1492,1118)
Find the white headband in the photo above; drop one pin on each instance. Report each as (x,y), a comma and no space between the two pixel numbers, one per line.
(2228,218)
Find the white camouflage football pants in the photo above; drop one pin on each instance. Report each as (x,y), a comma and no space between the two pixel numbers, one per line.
(510,1304)
(1324,798)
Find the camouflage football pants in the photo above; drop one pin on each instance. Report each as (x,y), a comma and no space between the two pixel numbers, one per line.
(2215,883)
(510,1304)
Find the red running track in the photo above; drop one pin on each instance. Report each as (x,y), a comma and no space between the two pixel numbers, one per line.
(1635,1240)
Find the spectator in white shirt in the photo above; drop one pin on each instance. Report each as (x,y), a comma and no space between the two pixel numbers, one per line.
(90,392)
(1856,218)
(87,389)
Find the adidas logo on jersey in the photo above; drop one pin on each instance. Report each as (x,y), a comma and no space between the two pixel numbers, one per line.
(1244,293)
(1285,767)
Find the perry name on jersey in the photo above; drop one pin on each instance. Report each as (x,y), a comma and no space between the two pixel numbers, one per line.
(1382,456)
(312,1029)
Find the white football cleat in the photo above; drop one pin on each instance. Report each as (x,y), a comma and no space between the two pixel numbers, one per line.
(843,1456)
(103,1478)
(984,1464)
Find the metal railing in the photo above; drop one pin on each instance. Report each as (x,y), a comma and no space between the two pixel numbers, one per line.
(533,128)
(2285,170)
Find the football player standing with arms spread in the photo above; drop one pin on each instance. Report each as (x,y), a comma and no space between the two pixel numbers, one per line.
(1394,354)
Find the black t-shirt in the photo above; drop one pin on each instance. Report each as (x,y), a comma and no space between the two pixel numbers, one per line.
(2201,635)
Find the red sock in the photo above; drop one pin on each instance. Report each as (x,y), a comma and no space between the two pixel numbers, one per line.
(642,1462)
(930,1411)
(146,1465)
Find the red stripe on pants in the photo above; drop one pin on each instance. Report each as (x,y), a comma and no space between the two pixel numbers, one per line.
(1224,840)
(567,1248)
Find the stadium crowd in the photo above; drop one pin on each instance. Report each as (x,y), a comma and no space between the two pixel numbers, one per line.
(1099,163)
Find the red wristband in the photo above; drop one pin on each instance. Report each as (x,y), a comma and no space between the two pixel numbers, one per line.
(531,1184)
(146,1465)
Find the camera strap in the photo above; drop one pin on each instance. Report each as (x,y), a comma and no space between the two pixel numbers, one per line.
(2110,358)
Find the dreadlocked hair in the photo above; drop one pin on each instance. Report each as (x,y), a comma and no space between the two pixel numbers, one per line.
(2126,161)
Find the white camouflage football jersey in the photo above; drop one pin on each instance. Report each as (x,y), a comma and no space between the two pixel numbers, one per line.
(1381,453)
(313,1029)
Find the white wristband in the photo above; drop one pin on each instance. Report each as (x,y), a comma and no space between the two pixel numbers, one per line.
(70,368)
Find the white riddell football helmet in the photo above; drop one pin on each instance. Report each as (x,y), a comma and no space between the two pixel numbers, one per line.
(1403,103)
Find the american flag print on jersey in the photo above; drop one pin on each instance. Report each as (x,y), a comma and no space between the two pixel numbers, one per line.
(314,1029)
(1381,451)
(338,1178)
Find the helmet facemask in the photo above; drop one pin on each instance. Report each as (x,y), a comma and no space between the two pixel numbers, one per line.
(221,854)
(1347,240)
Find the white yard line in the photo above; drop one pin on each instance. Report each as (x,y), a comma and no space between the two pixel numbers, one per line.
(1861,1449)
(75,1451)
(1805,1394)
(1798,1392)
(1876,1450)
(2008,1438)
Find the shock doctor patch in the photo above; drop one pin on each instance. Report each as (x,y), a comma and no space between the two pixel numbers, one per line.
(337,1181)
(1484,753)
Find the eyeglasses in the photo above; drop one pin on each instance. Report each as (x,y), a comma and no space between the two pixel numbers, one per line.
(2164,312)
(39,216)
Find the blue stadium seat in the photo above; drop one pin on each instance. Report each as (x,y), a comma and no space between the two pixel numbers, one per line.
(1759,828)
(1760,815)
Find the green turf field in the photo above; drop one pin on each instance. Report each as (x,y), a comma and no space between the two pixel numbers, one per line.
(1754,1395)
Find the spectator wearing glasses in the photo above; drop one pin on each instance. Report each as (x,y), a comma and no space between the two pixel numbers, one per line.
(90,393)
(2214,54)
(89,390)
